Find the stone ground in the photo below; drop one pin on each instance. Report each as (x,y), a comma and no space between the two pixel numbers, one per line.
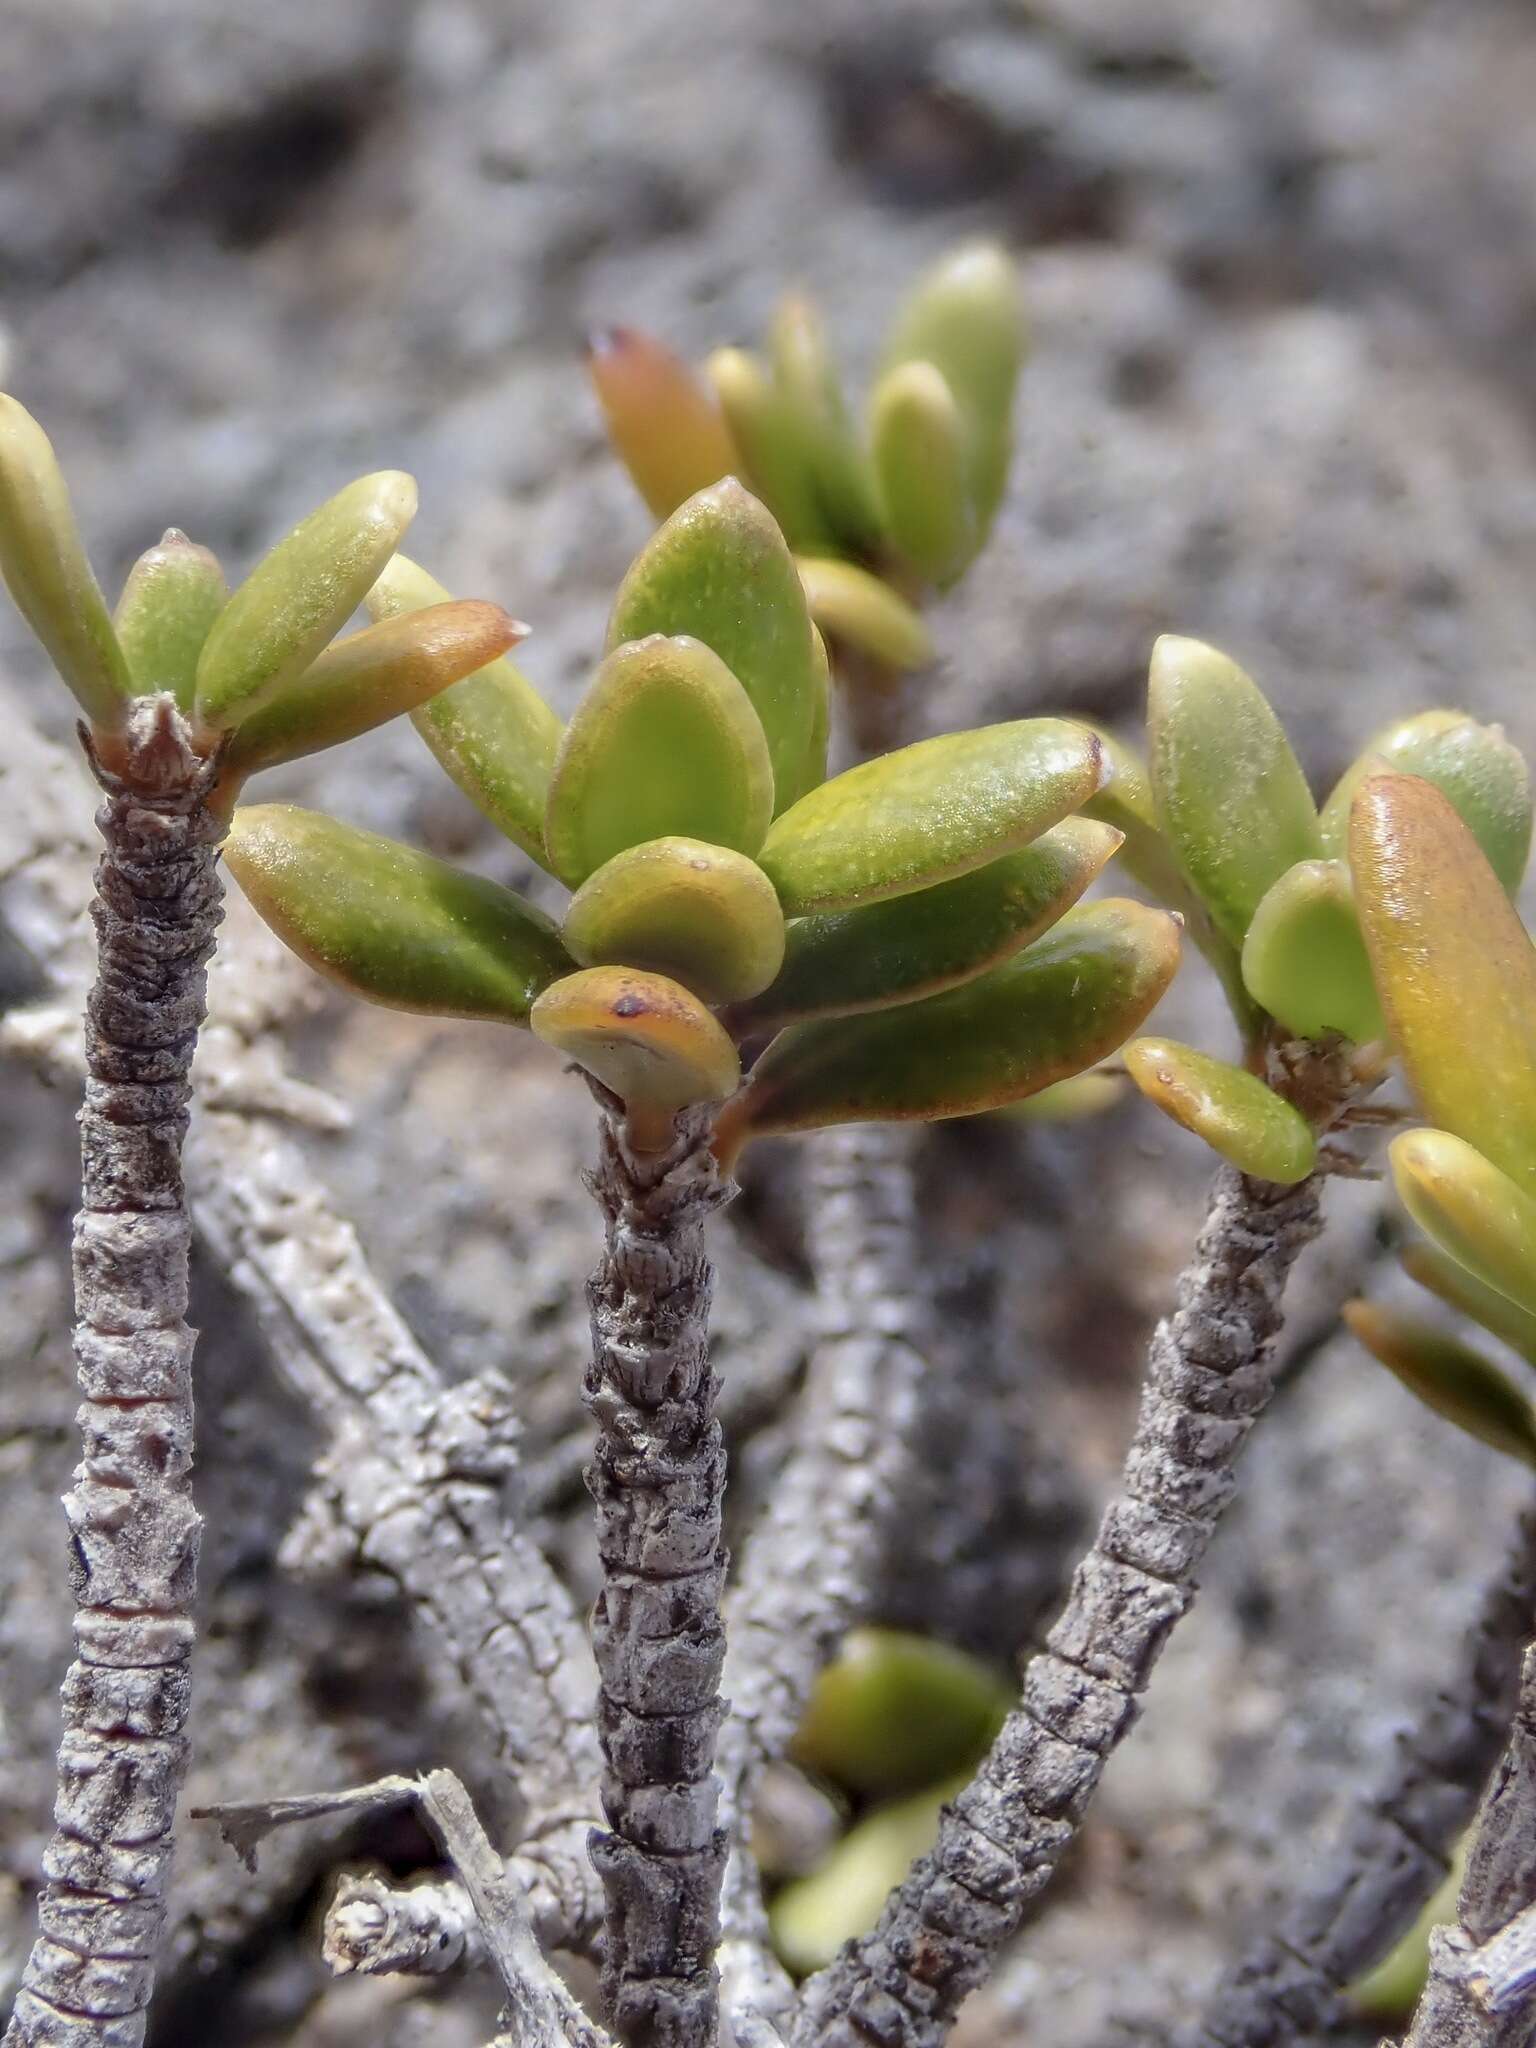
(1280,261)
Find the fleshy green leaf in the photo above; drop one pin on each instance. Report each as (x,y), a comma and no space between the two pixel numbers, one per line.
(894,1710)
(1482,773)
(912,946)
(1448,1376)
(664,744)
(493,733)
(44,564)
(719,571)
(864,613)
(666,425)
(813,768)
(1454,968)
(1061,1005)
(370,677)
(1304,960)
(1472,1211)
(389,923)
(967,318)
(927,812)
(1230,798)
(922,457)
(1071,1101)
(645,1038)
(771,451)
(1453,1284)
(701,914)
(807,380)
(300,596)
(173,594)
(1231,1109)
(813,1916)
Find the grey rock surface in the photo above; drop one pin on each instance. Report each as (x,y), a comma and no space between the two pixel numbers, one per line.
(1281,397)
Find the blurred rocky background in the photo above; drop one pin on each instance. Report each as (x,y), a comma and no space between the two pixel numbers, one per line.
(1281,259)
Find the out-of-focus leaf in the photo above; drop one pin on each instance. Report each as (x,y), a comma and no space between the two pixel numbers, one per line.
(299,596)
(911,946)
(666,425)
(644,1037)
(813,1916)
(720,572)
(927,812)
(864,613)
(807,381)
(44,564)
(922,457)
(493,733)
(370,677)
(1231,1109)
(1388,1993)
(665,743)
(173,594)
(1482,773)
(1454,968)
(813,768)
(1448,1376)
(771,450)
(701,914)
(1304,959)
(1069,1102)
(1230,798)
(1472,1211)
(389,923)
(966,316)
(894,1709)
(1061,1005)
(1443,1276)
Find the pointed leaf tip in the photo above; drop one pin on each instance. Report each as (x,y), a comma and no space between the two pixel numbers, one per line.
(389,923)
(300,595)
(45,567)
(1240,1118)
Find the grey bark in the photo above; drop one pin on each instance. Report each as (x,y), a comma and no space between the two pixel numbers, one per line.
(1210,1376)
(1396,1847)
(809,1566)
(540,2012)
(657,1477)
(1481,1991)
(133,1528)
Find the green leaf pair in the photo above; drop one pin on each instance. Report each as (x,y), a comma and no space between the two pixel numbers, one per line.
(254,671)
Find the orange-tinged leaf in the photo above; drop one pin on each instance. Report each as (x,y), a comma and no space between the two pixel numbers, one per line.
(665,423)
(1239,1117)
(1453,965)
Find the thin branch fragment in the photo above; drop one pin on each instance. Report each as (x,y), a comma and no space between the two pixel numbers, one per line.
(540,2011)
(1396,1847)
(380,1930)
(658,1479)
(1210,1375)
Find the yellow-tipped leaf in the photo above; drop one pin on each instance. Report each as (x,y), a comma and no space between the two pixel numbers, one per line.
(1240,1118)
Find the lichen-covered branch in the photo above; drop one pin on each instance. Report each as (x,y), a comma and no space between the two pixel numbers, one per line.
(1396,1846)
(420,1930)
(1482,1973)
(658,1479)
(134,1531)
(1210,1375)
(809,1565)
